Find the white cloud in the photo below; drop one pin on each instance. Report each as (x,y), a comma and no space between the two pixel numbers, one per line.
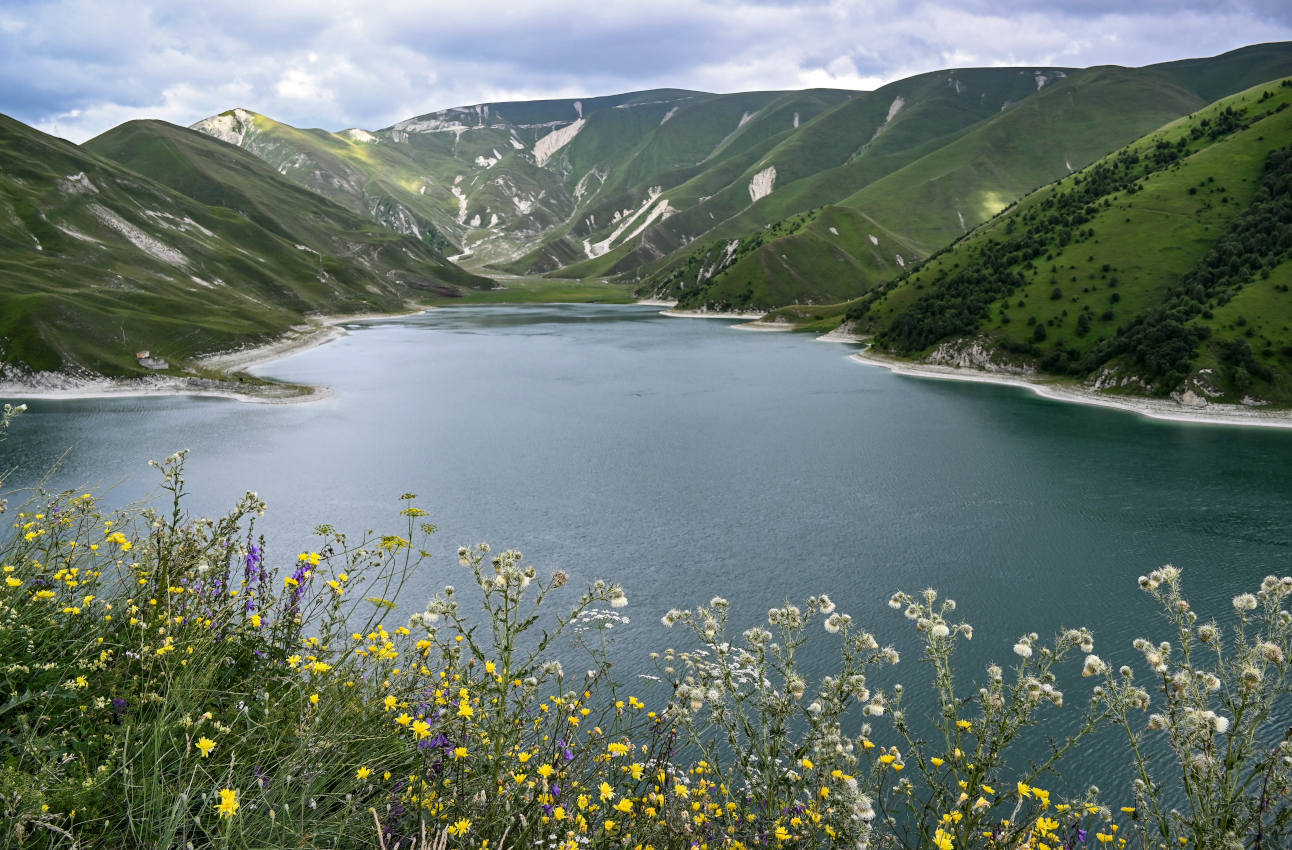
(77,67)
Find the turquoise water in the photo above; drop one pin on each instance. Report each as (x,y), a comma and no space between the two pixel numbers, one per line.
(684,460)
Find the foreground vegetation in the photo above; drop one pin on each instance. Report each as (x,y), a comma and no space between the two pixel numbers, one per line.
(162,686)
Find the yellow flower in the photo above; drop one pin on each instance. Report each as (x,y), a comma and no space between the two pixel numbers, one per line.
(942,840)
(255,620)
(314,699)
(546,770)
(465,709)
(782,834)
(362,773)
(228,805)
(460,827)
(963,724)
(625,805)
(403,719)
(460,752)
(806,763)
(1024,790)
(606,791)
(618,749)
(205,744)
(937,762)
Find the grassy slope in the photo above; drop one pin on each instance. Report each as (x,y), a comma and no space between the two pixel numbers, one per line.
(823,256)
(1143,243)
(221,175)
(958,147)
(98,261)
(937,164)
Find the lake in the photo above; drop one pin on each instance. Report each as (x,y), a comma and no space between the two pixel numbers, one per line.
(684,459)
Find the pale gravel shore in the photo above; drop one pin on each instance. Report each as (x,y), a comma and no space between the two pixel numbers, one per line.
(655,302)
(841,335)
(705,314)
(759,325)
(1212,414)
(319,330)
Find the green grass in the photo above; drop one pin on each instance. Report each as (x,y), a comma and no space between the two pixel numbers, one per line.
(1130,252)
(228,252)
(966,143)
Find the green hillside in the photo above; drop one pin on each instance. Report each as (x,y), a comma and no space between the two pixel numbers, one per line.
(648,188)
(819,257)
(98,261)
(1163,268)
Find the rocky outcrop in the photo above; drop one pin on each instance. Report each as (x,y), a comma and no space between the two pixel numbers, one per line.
(975,353)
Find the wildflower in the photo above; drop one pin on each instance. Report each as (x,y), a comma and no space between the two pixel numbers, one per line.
(228,805)
(362,773)
(1244,602)
(1094,666)
(205,744)
(1270,651)
(460,827)
(1022,650)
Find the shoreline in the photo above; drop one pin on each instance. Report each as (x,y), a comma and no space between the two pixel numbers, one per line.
(705,314)
(758,325)
(317,331)
(1168,411)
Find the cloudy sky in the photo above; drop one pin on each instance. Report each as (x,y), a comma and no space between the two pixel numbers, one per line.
(78,67)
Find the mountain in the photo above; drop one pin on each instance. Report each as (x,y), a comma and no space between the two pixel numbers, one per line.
(650,188)
(1164,268)
(153,237)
